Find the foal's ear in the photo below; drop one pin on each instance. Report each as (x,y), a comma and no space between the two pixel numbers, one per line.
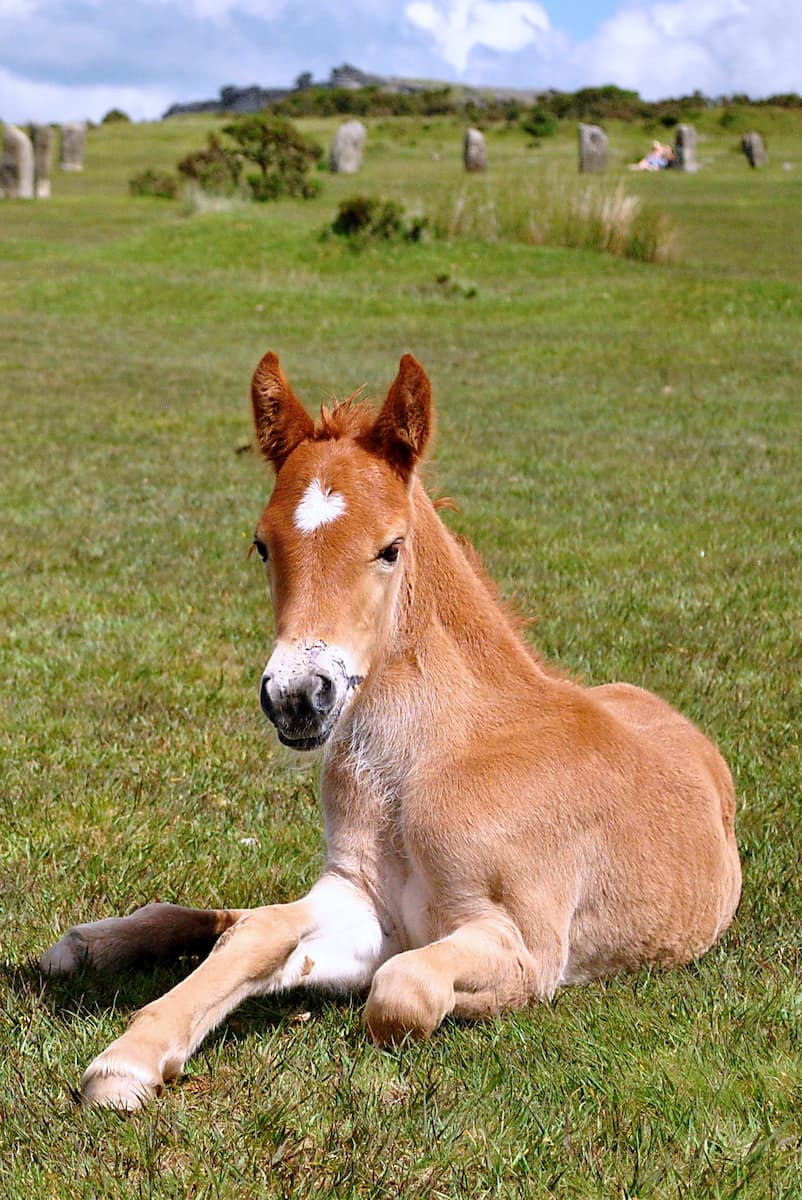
(282,422)
(402,428)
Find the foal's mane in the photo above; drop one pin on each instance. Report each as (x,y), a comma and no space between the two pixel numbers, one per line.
(519,620)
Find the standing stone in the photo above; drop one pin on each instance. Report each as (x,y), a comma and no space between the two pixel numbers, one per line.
(474,151)
(42,138)
(685,149)
(73,144)
(592,149)
(754,148)
(16,166)
(347,147)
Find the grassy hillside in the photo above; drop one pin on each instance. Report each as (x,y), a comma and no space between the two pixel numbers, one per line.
(622,441)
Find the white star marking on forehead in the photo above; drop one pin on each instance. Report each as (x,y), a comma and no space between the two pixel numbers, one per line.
(318,508)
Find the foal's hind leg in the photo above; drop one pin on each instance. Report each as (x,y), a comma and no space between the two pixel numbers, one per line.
(157,932)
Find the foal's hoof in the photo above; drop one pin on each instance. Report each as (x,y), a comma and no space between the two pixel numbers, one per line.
(68,955)
(112,1083)
(404,1001)
(99,944)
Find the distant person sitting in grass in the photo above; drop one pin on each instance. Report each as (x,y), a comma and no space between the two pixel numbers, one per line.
(659,157)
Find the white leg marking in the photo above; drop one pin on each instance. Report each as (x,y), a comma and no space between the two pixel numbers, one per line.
(346,946)
(333,938)
(318,507)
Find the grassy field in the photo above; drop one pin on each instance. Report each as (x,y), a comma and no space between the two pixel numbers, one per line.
(623,443)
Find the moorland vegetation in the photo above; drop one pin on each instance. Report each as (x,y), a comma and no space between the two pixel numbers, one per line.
(620,439)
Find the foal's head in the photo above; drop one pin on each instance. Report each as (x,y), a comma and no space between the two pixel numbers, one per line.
(334,540)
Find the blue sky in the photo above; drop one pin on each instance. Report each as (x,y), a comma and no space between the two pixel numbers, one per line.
(69,59)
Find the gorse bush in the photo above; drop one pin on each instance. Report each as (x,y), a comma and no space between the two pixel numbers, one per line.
(731,118)
(367,218)
(365,214)
(539,122)
(215,169)
(281,153)
(153,183)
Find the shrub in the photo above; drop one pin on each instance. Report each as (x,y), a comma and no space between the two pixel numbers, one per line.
(115,115)
(782,100)
(365,101)
(154,183)
(366,218)
(282,154)
(539,122)
(592,103)
(597,104)
(215,169)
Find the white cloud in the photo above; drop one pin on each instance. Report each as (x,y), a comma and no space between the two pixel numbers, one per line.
(718,46)
(459,26)
(23,100)
(660,49)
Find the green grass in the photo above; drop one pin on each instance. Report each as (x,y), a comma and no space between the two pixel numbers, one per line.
(623,443)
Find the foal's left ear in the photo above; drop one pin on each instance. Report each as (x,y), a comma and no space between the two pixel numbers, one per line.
(282,422)
(404,423)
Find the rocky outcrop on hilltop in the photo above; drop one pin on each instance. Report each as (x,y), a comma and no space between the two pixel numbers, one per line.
(255,98)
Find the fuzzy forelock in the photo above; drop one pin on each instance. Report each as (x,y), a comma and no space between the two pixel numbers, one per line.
(349,418)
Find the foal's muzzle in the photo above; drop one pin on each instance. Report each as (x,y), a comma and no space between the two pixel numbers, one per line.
(303,692)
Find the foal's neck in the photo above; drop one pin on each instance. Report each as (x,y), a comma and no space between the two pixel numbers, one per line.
(447,603)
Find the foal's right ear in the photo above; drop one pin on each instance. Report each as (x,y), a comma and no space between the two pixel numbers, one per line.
(281,421)
(404,424)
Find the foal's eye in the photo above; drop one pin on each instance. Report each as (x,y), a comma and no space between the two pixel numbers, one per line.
(261,549)
(390,553)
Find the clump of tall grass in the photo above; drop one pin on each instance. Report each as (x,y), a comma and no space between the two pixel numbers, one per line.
(555,211)
(195,201)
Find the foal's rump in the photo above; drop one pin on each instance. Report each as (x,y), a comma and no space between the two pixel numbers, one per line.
(685,817)
(653,718)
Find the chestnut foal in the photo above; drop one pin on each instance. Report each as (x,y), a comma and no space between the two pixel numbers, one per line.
(493,830)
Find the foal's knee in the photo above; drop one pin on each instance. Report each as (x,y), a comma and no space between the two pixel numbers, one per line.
(406,998)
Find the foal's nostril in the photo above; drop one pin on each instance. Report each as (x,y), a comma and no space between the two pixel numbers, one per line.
(264,698)
(323,694)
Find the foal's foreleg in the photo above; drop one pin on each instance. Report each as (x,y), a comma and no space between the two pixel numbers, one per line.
(332,938)
(482,968)
(156,932)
